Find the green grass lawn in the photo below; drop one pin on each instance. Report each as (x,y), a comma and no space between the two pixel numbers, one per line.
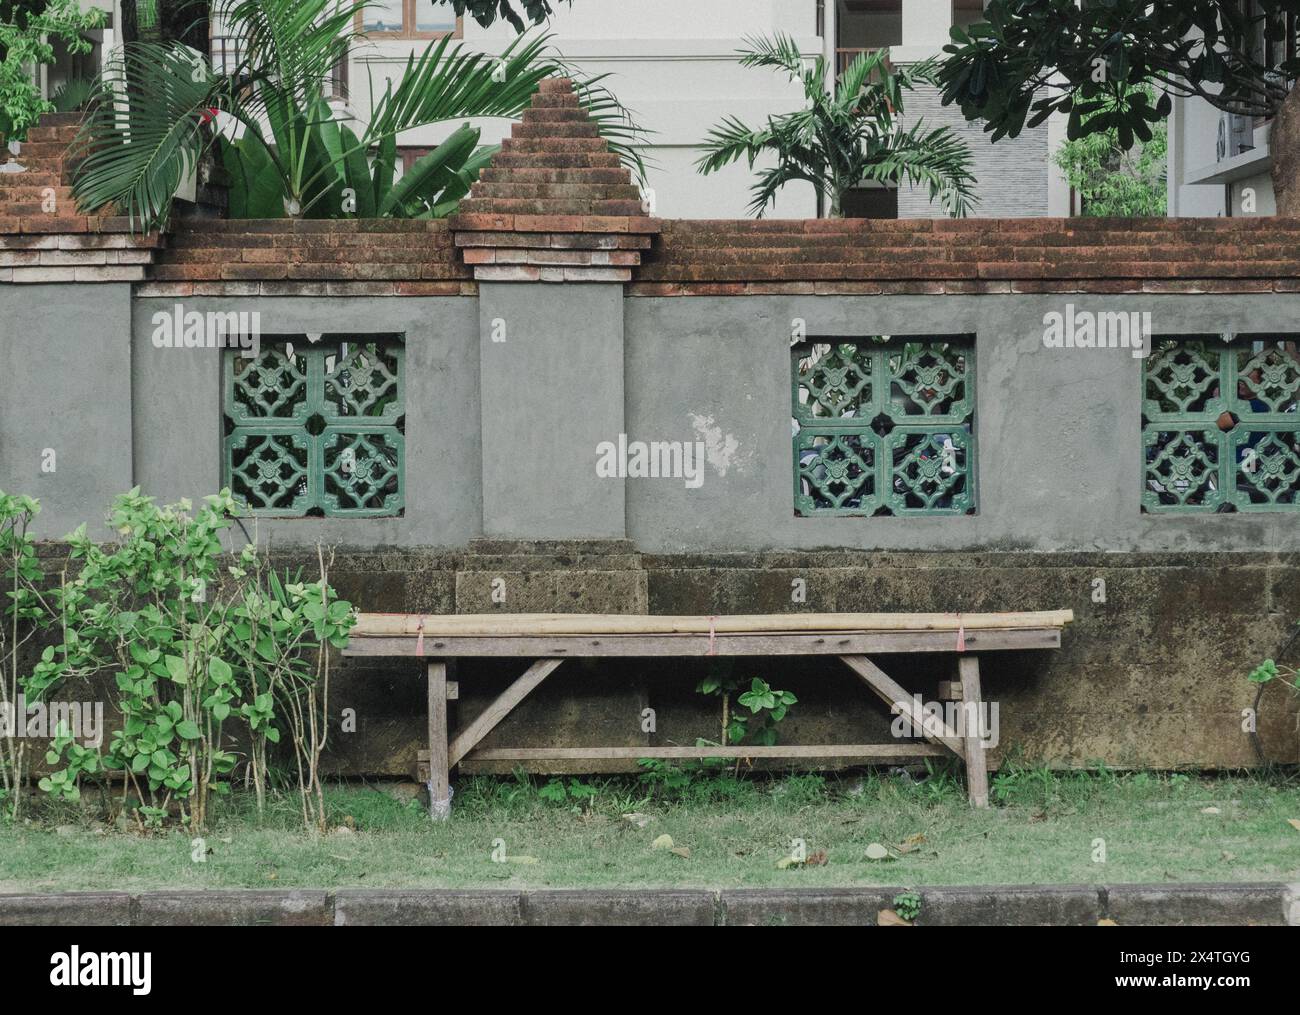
(1043,829)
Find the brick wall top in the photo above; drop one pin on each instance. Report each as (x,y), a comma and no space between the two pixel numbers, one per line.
(43,238)
(556,205)
(720,257)
(312,257)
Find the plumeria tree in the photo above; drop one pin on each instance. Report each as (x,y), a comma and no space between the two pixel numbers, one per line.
(1029,59)
(845,135)
(486,12)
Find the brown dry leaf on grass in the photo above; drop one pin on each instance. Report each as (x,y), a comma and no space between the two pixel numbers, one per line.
(1294,823)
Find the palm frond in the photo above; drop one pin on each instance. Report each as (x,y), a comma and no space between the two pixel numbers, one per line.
(937,159)
(729,141)
(844,134)
(144,130)
(296,42)
(772,179)
(448,82)
(617,124)
(779,51)
(852,82)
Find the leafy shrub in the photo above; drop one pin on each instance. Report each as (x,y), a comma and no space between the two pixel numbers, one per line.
(207,648)
(28,31)
(24,613)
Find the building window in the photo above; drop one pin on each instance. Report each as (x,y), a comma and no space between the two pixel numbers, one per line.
(317,428)
(409,19)
(884,426)
(1220,428)
(967,13)
(865,25)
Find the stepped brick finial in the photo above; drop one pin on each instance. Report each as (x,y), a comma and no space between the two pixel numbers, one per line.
(555,205)
(43,237)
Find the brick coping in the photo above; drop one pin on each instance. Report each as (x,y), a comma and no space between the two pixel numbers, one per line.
(557,205)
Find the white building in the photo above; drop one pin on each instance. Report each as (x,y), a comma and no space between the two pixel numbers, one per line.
(1219,163)
(674,63)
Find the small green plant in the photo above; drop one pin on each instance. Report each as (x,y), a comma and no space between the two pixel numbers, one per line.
(557,791)
(73,762)
(767,707)
(661,778)
(940,783)
(73,95)
(553,791)
(804,788)
(908,905)
(1269,671)
(1019,783)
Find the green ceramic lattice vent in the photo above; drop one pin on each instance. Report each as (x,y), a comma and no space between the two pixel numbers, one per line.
(884,426)
(317,428)
(1220,429)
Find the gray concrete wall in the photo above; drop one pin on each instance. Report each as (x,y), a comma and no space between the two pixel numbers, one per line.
(1058,430)
(178,420)
(65,386)
(552,375)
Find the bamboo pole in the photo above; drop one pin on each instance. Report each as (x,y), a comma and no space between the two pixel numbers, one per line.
(505,625)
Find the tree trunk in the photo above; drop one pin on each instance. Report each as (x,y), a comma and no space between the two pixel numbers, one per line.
(129,29)
(185,21)
(1284,143)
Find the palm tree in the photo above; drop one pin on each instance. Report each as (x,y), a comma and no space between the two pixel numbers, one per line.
(159,108)
(846,135)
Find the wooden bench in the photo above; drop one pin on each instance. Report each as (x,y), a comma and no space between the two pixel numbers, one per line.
(548,639)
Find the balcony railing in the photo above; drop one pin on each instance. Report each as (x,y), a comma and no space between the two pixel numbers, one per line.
(226,51)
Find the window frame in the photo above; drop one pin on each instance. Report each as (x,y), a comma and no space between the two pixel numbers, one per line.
(408,31)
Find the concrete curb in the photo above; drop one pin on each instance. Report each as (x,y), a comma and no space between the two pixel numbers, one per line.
(979,905)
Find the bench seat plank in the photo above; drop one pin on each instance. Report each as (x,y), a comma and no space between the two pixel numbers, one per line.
(623,646)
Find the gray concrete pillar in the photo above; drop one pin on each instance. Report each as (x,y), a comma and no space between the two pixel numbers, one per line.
(65,400)
(551,375)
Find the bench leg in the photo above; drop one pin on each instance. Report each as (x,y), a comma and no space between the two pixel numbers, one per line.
(977,776)
(439,780)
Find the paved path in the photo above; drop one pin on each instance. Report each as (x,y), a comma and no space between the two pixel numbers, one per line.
(999,905)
